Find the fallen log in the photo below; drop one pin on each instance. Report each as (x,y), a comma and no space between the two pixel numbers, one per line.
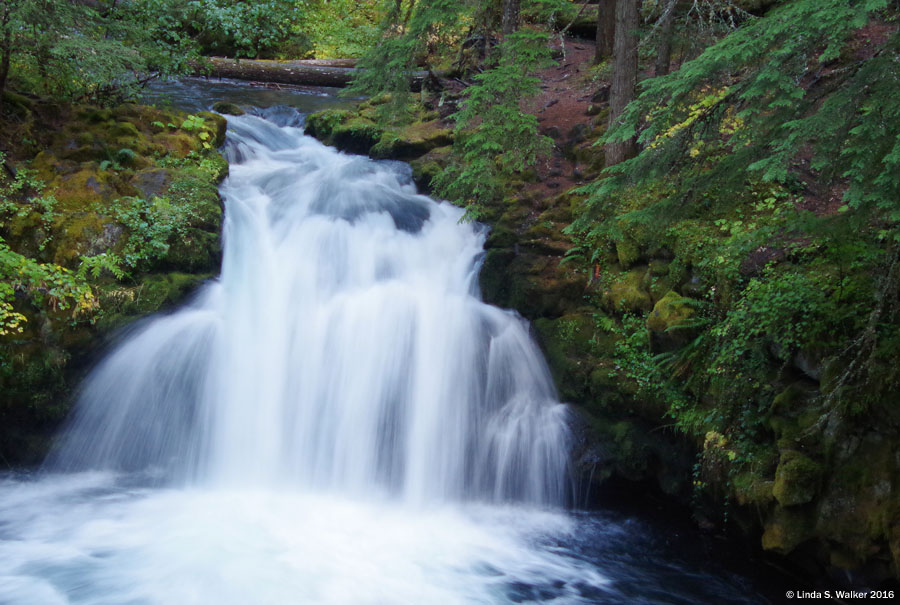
(312,72)
(281,72)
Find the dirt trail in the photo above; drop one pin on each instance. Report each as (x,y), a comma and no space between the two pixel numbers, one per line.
(562,112)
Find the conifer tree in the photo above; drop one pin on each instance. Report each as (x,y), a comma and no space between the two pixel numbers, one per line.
(606,29)
(624,78)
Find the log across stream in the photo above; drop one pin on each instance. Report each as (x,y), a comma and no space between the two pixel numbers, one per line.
(335,73)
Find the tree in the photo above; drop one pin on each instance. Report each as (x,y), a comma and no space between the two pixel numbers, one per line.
(606,29)
(5,45)
(624,78)
(667,32)
(494,137)
(84,51)
(510,16)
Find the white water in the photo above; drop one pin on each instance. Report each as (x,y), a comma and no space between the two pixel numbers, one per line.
(344,347)
(337,419)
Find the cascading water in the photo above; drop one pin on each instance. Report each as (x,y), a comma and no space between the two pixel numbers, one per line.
(337,419)
(344,346)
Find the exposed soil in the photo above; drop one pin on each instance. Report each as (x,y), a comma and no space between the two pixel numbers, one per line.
(562,112)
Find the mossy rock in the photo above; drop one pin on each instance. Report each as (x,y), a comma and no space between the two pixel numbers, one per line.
(152,183)
(412,141)
(628,252)
(197,251)
(97,116)
(787,529)
(751,488)
(501,237)
(229,109)
(564,340)
(627,293)
(425,168)
(177,144)
(124,129)
(356,136)
(85,234)
(797,479)
(321,125)
(36,393)
(216,125)
(83,188)
(671,311)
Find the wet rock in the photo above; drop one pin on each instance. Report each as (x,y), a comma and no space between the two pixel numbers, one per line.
(230,109)
(797,479)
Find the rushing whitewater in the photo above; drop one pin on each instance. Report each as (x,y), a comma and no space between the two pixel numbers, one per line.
(337,419)
(343,347)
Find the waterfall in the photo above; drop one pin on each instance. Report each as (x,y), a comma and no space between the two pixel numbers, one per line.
(336,420)
(344,347)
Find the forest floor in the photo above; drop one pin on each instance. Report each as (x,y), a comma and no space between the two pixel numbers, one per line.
(562,112)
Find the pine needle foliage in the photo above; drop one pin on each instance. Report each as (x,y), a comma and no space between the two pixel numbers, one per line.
(495,138)
(389,67)
(750,105)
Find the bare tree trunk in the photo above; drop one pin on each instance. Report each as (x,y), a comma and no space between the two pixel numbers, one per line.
(624,80)
(606,29)
(5,52)
(510,16)
(667,30)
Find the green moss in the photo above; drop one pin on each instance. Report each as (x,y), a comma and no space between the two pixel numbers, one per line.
(412,141)
(230,109)
(177,144)
(627,252)
(216,125)
(197,251)
(321,125)
(97,116)
(671,310)
(627,293)
(124,129)
(751,488)
(356,136)
(82,188)
(786,530)
(797,479)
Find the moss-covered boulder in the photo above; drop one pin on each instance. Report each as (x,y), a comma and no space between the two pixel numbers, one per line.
(425,168)
(787,530)
(627,293)
(361,132)
(797,479)
(229,109)
(412,141)
(670,311)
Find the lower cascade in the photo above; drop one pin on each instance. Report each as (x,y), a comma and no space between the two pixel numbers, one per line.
(344,346)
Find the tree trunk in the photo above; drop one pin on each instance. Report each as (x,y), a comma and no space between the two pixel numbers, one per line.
(667,30)
(606,29)
(5,52)
(624,79)
(510,16)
